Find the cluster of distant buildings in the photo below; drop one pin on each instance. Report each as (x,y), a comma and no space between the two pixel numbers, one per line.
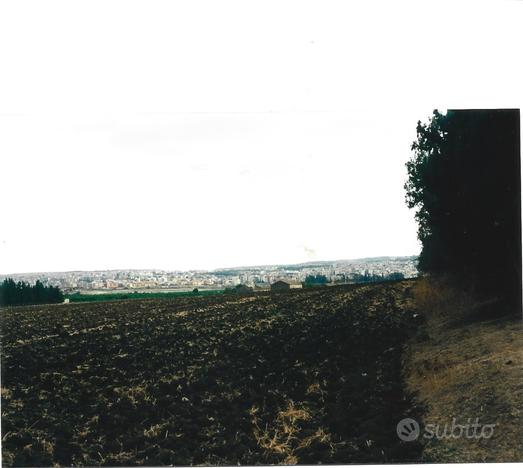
(256,277)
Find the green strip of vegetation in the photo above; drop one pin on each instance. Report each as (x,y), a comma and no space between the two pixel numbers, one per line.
(79,297)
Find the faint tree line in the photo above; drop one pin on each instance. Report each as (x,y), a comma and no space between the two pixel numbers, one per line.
(315,280)
(373,278)
(321,280)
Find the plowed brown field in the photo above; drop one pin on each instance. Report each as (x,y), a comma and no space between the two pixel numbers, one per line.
(301,377)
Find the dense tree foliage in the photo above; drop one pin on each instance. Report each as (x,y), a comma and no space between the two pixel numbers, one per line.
(464,182)
(315,280)
(21,293)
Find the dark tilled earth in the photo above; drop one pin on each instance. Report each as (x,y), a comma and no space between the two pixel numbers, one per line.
(310,376)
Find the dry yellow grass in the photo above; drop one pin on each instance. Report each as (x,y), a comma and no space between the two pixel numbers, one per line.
(467,369)
(284,436)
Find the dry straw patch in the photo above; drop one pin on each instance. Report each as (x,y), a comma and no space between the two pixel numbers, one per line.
(284,437)
(467,369)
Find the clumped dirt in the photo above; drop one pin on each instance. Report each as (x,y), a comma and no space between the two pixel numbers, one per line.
(309,376)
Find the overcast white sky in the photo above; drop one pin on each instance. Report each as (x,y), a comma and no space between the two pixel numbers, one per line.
(191,134)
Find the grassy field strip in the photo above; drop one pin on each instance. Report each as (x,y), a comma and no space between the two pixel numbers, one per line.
(456,370)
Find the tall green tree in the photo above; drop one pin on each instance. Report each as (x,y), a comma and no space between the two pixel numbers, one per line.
(464,183)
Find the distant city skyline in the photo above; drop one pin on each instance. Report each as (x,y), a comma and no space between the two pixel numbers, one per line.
(222,268)
(275,135)
(256,276)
